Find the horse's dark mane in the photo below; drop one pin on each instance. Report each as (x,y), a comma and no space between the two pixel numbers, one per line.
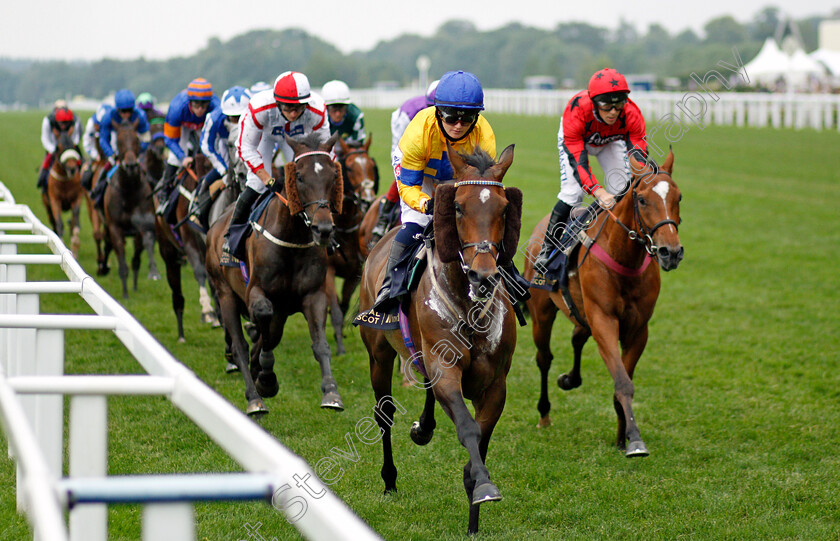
(479,159)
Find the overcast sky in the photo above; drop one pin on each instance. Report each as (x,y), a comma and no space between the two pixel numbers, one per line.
(159,29)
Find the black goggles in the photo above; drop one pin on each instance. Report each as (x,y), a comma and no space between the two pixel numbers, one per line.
(607,107)
(453,115)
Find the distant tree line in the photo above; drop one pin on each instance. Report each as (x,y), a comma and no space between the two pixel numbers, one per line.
(501,58)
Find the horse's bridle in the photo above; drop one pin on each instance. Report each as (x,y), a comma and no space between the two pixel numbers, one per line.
(485,246)
(645,234)
(353,196)
(320,203)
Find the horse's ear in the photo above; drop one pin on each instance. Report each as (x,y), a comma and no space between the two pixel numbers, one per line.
(446,232)
(329,144)
(345,148)
(292,194)
(513,224)
(114,125)
(505,160)
(297,148)
(368,141)
(337,197)
(458,163)
(668,164)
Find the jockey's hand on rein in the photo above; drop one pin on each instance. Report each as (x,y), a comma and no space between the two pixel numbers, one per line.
(273,185)
(430,206)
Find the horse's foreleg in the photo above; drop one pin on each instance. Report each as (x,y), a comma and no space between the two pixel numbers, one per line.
(139,241)
(488,409)
(229,307)
(543,314)
(423,429)
(315,312)
(572,380)
(118,245)
(336,313)
(605,333)
(630,356)
(477,478)
(173,278)
(381,358)
(263,315)
(55,217)
(196,260)
(75,228)
(149,245)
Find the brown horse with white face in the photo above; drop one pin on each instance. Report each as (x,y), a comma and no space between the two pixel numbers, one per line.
(460,318)
(614,289)
(128,208)
(360,179)
(286,261)
(64,190)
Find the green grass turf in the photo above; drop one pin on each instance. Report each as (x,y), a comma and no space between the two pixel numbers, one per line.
(736,395)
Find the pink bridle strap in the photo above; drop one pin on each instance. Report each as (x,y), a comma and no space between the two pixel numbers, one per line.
(605,258)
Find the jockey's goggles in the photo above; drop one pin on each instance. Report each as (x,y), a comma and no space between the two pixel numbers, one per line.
(291,107)
(453,115)
(125,111)
(607,107)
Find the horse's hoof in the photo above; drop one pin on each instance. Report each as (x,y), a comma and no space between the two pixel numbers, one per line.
(256,409)
(182,340)
(154,276)
(231,368)
(267,384)
(486,492)
(103,270)
(636,448)
(418,436)
(331,400)
(210,317)
(544,422)
(567,383)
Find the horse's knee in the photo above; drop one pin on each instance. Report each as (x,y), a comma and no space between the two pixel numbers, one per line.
(261,309)
(321,350)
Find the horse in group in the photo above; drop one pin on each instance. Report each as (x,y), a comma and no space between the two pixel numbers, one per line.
(360,179)
(282,272)
(180,240)
(612,290)
(466,340)
(128,208)
(153,160)
(64,190)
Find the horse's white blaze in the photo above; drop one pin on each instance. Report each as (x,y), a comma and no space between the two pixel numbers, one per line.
(484,195)
(318,167)
(361,160)
(661,190)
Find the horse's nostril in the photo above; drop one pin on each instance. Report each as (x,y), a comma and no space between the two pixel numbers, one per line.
(473,277)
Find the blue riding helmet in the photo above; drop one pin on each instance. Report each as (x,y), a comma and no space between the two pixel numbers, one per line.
(124,99)
(459,89)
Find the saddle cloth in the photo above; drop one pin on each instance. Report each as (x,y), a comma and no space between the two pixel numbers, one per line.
(239,233)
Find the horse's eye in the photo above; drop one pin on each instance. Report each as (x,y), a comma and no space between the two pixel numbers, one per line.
(642,201)
(458,210)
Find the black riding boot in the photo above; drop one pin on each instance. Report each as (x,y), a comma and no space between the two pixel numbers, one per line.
(381,227)
(383,300)
(42,179)
(164,187)
(556,224)
(240,212)
(87,178)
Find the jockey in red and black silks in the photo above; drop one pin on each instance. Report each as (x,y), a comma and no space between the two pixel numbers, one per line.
(603,122)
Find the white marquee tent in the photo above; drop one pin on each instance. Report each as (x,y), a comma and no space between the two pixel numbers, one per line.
(772,64)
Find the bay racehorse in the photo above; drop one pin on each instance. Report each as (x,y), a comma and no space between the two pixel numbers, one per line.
(614,289)
(467,337)
(286,264)
(360,176)
(64,190)
(128,208)
(369,222)
(178,241)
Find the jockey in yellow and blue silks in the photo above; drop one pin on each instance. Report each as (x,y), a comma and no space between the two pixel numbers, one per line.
(421,160)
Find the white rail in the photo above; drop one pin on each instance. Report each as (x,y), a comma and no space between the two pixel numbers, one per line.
(32,385)
(754,109)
